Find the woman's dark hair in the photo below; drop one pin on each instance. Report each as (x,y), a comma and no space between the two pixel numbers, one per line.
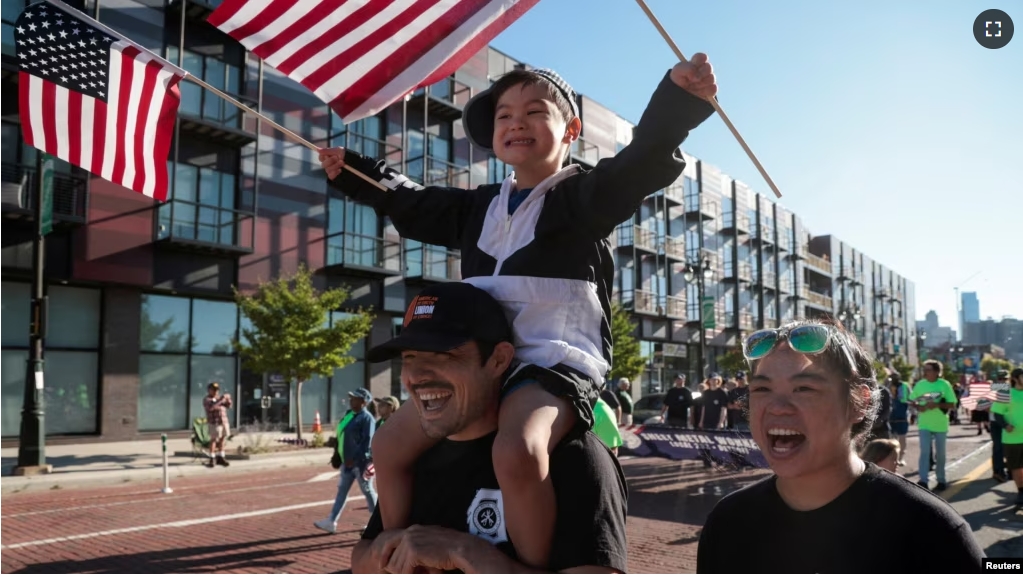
(847,357)
(935,365)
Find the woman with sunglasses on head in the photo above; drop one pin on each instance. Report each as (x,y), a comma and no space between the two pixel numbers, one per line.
(812,397)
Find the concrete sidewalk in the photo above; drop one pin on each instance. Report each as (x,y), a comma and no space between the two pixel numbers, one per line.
(92,464)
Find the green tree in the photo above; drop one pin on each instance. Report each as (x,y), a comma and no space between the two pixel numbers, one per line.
(291,331)
(990,365)
(732,361)
(626,360)
(903,367)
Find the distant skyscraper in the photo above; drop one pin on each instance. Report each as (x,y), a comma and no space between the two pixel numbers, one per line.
(931,320)
(971,307)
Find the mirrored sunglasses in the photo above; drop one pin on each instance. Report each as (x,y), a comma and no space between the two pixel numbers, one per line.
(805,339)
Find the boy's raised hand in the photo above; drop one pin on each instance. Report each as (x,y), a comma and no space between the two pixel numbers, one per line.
(696,76)
(332,160)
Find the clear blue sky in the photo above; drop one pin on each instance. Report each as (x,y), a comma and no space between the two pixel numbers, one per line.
(883,123)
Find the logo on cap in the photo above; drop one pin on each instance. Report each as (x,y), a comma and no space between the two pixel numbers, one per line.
(420,308)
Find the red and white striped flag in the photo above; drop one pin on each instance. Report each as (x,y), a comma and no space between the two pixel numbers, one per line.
(360,56)
(90,96)
(979,396)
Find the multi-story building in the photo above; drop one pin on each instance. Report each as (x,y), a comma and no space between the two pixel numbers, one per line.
(1006,333)
(970,309)
(141,311)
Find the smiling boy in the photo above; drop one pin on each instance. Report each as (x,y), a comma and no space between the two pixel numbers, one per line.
(539,243)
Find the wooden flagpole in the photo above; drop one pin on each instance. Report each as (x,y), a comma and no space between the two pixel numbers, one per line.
(287,132)
(713,101)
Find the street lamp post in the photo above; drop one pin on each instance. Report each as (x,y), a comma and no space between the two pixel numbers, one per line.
(700,271)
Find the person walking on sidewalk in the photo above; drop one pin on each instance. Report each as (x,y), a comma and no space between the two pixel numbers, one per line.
(1000,404)
(625,400)
(354,440)
(1010,417)
(216,407)
(932,395)
(899,419)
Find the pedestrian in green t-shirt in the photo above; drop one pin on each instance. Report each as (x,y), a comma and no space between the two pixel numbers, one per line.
(605,426)
(931,395)
(1010,416)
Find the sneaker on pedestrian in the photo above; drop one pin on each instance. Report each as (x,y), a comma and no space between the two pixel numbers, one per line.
(222,461)
(999,477)
(209,463)
(326,525)
(900,463)
(940,487)
(923,484)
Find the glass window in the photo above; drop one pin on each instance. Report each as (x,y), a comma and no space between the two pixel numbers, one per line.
(71,391)
(163,392)
(348,378)
(165,323)
(206,370)
(73,318)
(315,398)
(13,368)
(16,306)
(214,326)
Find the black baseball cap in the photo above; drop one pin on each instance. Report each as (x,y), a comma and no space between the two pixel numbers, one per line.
(478,114)
(445,316)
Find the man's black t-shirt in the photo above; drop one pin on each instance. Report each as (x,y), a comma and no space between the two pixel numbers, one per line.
(842,536)
(610,398)
(714,403)
(678,400)
(738,395)
(455,487)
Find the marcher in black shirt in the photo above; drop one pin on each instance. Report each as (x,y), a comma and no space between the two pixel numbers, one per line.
(677,402)
(737,403)
(812,396)
(454,359)
(715,401)
(611,399)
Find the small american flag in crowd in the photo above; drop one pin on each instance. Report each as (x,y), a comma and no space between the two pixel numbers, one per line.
(94,98)
(979,396)
(361,56)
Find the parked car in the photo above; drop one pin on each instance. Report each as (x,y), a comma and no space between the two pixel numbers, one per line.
(648,409)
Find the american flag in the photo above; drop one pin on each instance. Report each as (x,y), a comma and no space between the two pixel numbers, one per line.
(360,56)
(979,396)
(94,98)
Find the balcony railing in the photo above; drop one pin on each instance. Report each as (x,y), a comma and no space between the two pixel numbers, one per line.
(799,251)
(20,191)
(702,204)
(746,321)
(739,221)
(675,193)
(447,97)
(631,235)
(741,271)
(818,263)
(785,284)
(675,307)
(206,226)
(438,172)
(882,292)
(816,298)
(639,301)
(770,322)
(768,279)
(785,239)
(363,252)
(433,263)
(368,146)
(585,152)
(675,248)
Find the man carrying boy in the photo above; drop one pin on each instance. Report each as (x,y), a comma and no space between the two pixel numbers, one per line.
(539,244)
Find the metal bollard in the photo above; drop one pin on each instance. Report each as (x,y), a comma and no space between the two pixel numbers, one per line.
(166,476)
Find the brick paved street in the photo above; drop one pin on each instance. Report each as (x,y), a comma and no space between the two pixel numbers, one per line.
(257,522)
